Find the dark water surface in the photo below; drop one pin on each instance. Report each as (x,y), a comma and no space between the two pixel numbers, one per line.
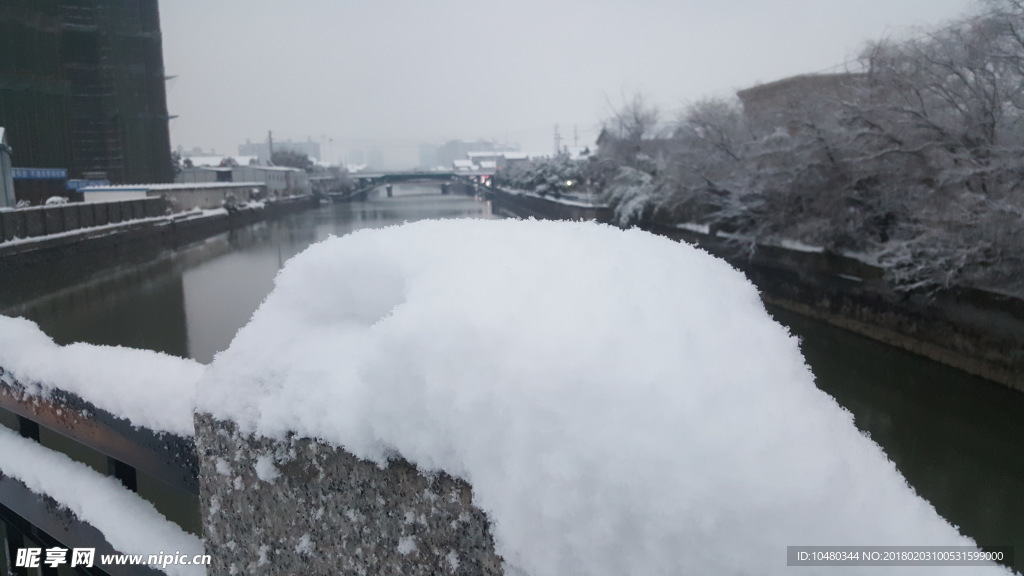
(959,440)
(191,303)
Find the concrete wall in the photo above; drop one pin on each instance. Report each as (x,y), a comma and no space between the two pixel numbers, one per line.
(278,180)
(533,207)
(82,254)
(974,330)
(329,513)
(45,220)
(196,175)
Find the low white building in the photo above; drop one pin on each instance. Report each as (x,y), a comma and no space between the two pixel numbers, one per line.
(463,165)
(183,196)
(278,180)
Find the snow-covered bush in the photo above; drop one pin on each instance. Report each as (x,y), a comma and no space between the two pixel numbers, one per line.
(631,195)
(555,175)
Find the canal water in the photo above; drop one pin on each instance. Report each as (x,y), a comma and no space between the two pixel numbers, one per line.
(958,440)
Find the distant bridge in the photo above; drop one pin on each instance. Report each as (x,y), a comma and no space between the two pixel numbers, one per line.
(387,177)
(367,181)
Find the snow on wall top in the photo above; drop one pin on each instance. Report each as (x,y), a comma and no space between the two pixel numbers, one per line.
(620,403)
(150,389)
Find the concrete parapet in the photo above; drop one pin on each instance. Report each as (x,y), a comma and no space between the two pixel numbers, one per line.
(69,216)
(101,213)
(13,224)
(304,507)
(86,215)
(35,224)
(138,208)
(53,220)
(532,206)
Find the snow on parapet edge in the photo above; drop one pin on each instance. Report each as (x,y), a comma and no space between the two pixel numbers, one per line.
(620,403)
(130,524)
(150,389)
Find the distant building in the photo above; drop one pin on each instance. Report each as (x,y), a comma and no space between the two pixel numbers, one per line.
(770,106)
(217,160)
(277,180)
(453,150)
(181,196)
(262,149)
(82,88)
(506,159)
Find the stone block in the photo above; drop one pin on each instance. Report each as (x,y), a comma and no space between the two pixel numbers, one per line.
(35,224)
(13,224)
(69,214)
(53,219)
(301,506)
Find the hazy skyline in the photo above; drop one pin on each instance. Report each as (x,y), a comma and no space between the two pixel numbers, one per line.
(394,74)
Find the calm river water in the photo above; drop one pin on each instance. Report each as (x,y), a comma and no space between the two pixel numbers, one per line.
(958,440)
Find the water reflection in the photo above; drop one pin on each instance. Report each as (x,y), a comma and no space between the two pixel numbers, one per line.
(191,302)
(957,439)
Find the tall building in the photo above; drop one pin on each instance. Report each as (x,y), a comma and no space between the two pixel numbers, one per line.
(82,88)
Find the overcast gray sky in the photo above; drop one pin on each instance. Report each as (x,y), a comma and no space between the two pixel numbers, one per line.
(394,73)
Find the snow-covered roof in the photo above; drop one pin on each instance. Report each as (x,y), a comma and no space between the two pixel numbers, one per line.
(170,187)
(515,155)
(488,164)
(467,164)
(199,161)
(272,168)
(208,168)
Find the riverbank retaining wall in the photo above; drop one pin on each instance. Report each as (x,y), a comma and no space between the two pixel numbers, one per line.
(47,220)
(300,506)
(91,249)
(978,331)
(526,206)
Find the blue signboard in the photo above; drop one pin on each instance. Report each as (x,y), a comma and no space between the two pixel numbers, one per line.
(39,173)
(79,184)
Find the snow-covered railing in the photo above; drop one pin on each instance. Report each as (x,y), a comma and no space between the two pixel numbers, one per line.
(97,430)
(164,455)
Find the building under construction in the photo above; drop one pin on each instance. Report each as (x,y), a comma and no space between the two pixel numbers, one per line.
(82,88)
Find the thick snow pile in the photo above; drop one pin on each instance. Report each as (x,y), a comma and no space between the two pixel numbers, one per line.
(130,524)
(148,388)
(621,404)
